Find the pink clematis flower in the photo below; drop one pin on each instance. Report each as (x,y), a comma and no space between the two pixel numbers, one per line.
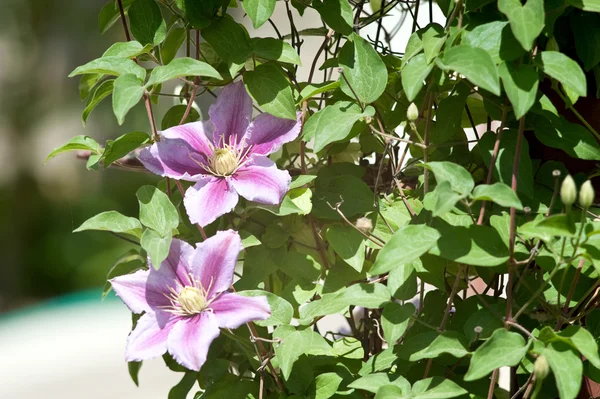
(225,156)
(185,301)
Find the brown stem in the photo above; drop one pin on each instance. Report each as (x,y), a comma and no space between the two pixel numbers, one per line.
(488,180)
(124,20)
(493,381)
(565,309)
(263,354)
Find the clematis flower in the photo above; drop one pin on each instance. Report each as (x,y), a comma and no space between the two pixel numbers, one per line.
(186,301)
(225,156)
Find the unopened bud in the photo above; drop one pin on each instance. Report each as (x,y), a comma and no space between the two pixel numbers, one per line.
(586,195)
(541,368)
(412,113)
(568,191)
(364,224)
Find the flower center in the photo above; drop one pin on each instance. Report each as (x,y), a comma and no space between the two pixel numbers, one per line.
(191,300)
(224,161)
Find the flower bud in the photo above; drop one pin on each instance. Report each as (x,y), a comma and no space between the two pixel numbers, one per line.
(586,195)
(364,224)
(541,368)
(412,113)
(568,191)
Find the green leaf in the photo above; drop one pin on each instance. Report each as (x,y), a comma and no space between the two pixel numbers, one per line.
(334,123)
(349,244)
(200,13)
(520,84)
(134,370)
(337,14)
(584,341)
(296,201)
(554,225)
(110,14)
(175,114)
(586,28)
(147,23)
(295,344)
(448,116)
(446,198)
(567,367)
(366,295)
(433,38)
(574,139)
(112,221)
(499,193)
(312,90)
(229,40)
(183,387)
(156,210)
(390,392)
(357,196)
(301,180)
(562,68)
(497,39)
(275,50)
(402,282)
(448,342)
(363,68)
(156,245)
(526,21)
(395,319)
(502,170)
(436,388)
(101,91)
(473,245)
(179,68)
(77,143)
(407,244)
(475,63)
(127,92)
(281,310)
(301,267)
(504,348)
(459,178)
(413,47)
(324,386)
(271,90)
(122,146)
(172,43)
(586,5)
(259,11)
(126,49)
(372,382)
(381,361)
(414,74)
(348,347)
(111,66)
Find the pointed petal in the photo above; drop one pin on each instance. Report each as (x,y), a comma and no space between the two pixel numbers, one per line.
(261,181)
(173,273)
(209,199)
(267,133)
(231,113)
(131,288)
(148,339)
(232,310)
(190,340)
(195,134)
(214,261)
(173,158)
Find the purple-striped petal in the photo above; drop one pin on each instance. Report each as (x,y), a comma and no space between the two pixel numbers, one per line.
(148,339)
(231,113)
(131,288)
(267,133)
(173,158)
(261,181)
(190,339)
(196,134)
(232,310)
(173,273)
(209,199)
(214,261)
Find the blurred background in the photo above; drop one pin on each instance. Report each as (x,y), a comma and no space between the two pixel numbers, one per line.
(56,336)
